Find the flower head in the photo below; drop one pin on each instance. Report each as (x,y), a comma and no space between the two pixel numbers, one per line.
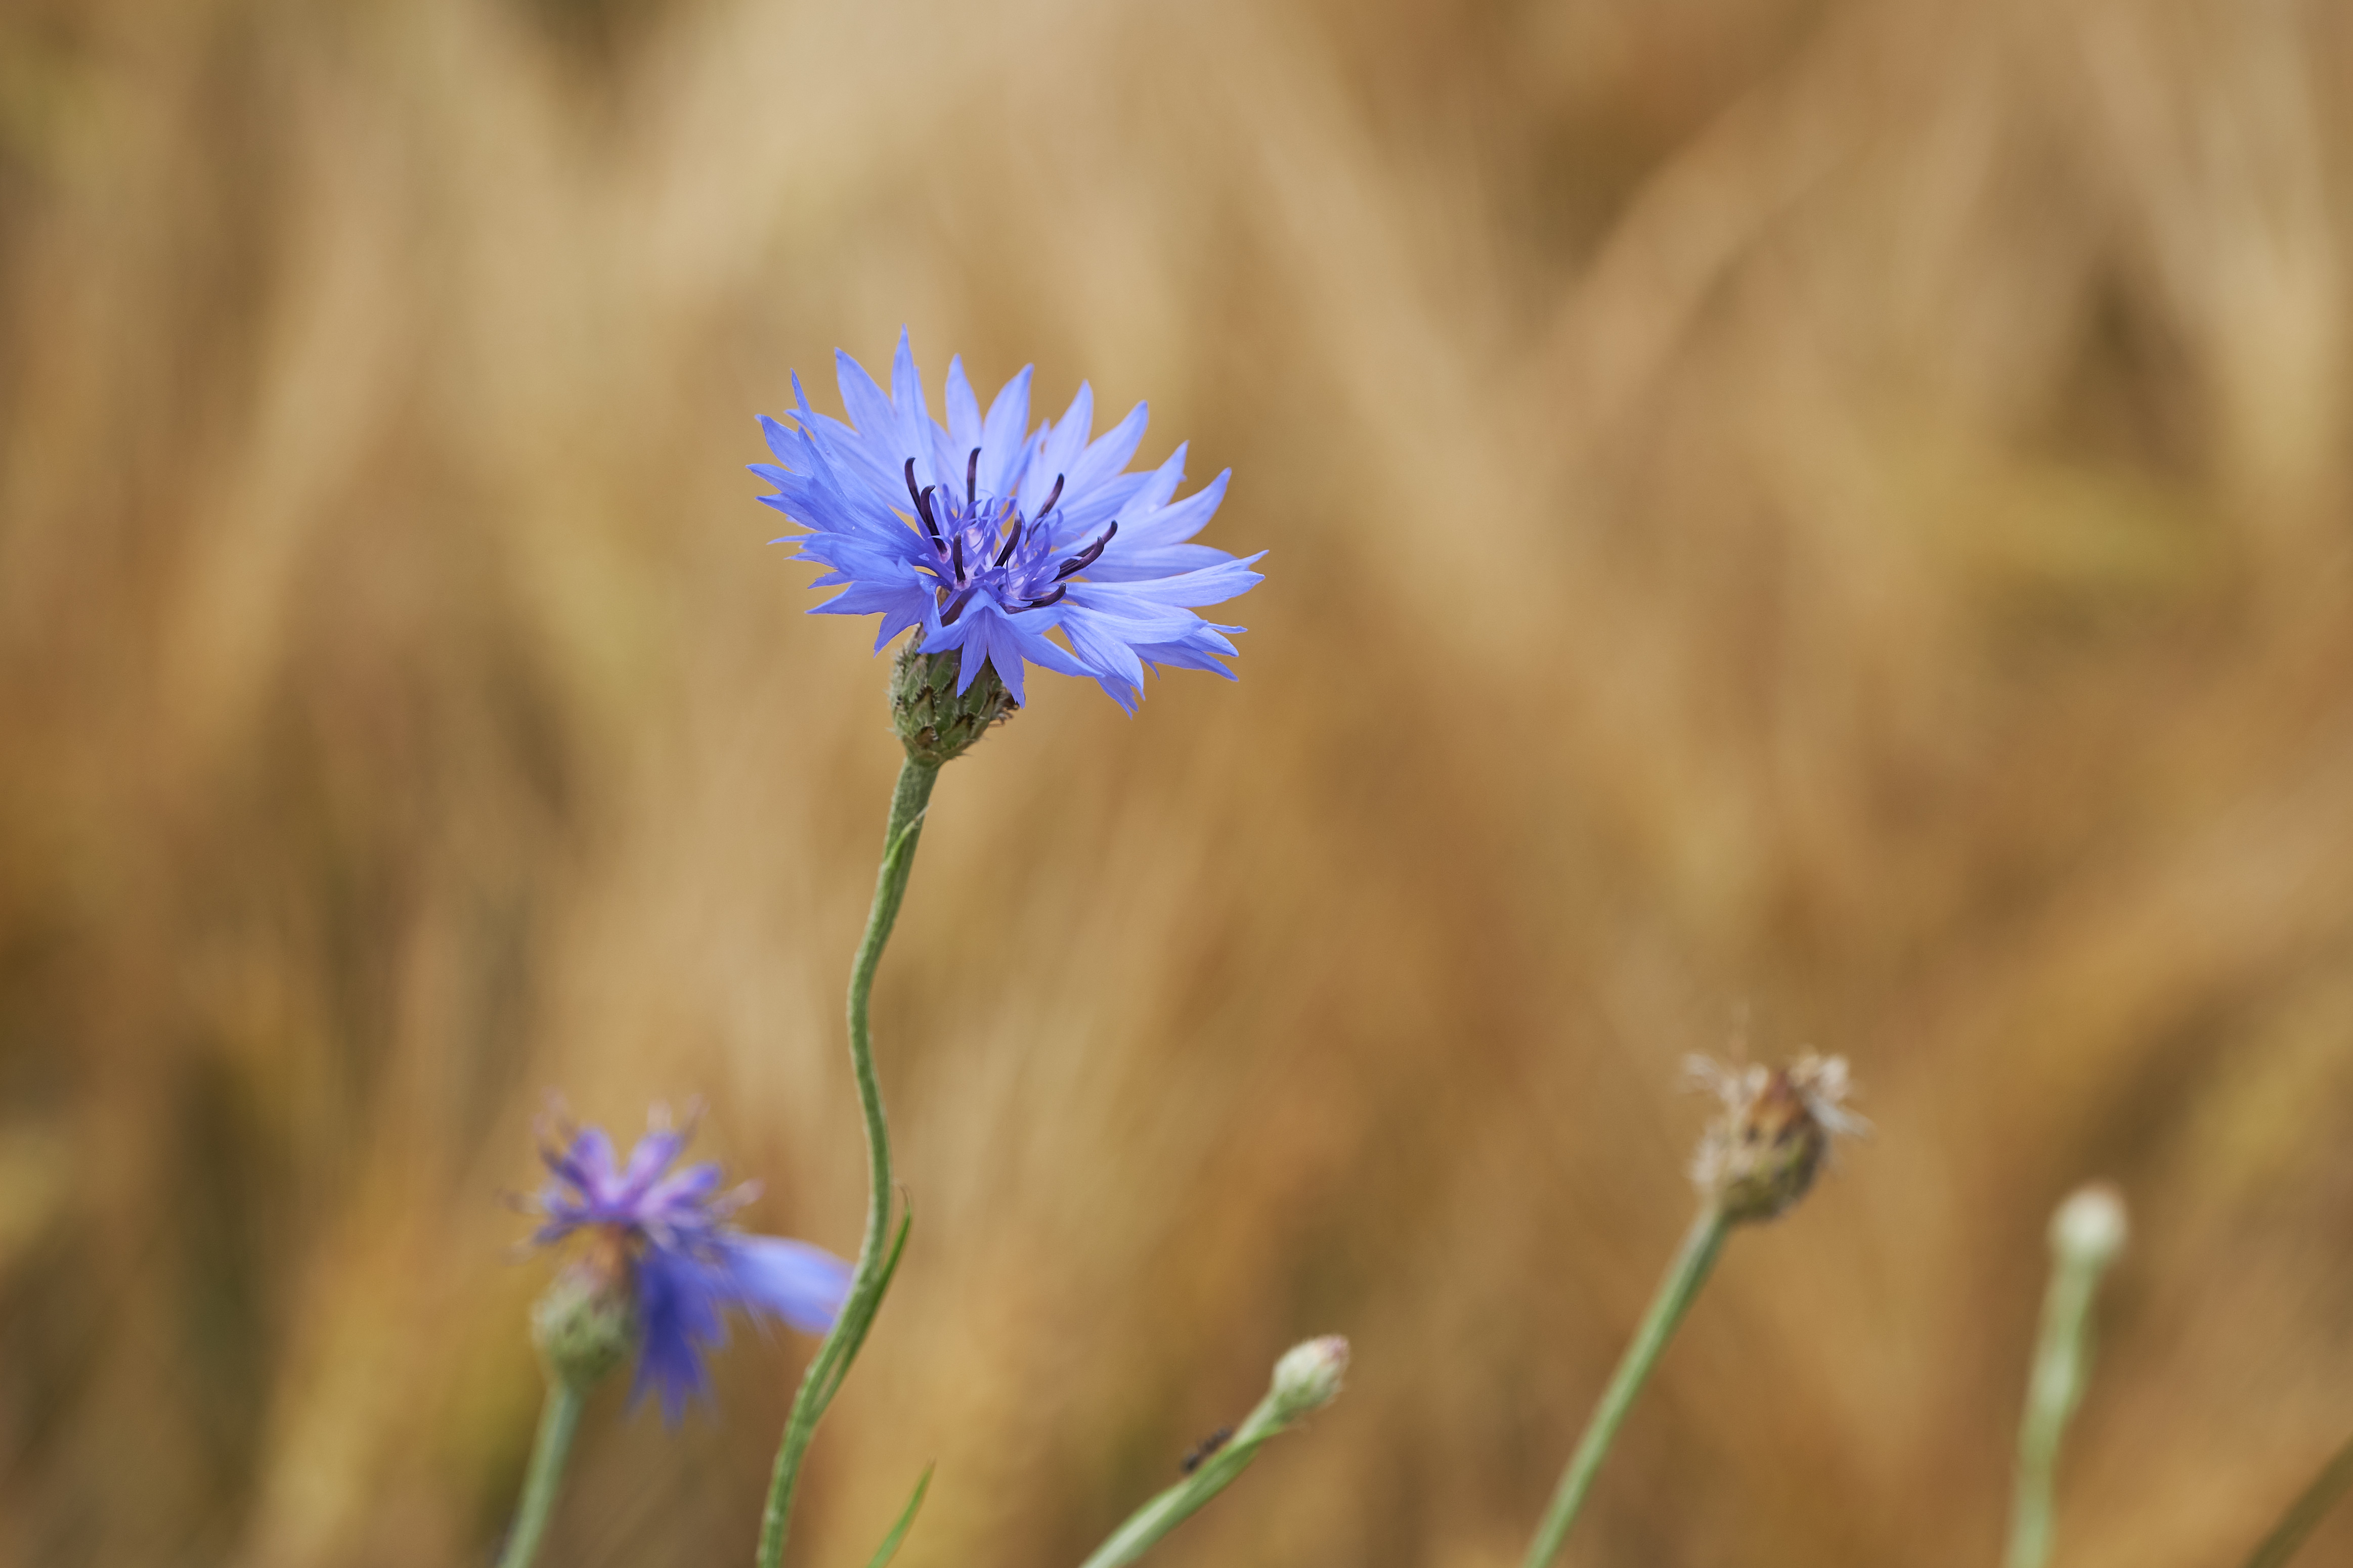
(1761,1155)
(987,535)
(664,1238)
(2090,1226)
(1308,1376)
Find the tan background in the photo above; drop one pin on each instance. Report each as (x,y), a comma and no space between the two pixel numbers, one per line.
(1834,513)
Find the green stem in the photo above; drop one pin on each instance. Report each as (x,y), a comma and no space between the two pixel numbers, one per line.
(2304,1516)
(559,1418)
(2062,1363)
(1164,1514)
(876,1254)
(1683,1278)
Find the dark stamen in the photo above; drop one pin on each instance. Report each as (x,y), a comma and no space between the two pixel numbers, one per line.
(971,477)
(955,606)
(1089,556)
(958,550)
(1010,540)
(1052,496)
(922,499)
(1053,598)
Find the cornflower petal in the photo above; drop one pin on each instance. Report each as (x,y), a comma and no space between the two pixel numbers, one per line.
(679,1322)
(1108,453)
(691,1187)
(917,433)
(588,1162)
(650,1157)
(1067,439)
(801,1284)
(963,409)
(1002,440)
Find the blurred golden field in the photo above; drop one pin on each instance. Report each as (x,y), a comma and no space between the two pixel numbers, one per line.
(1828,515)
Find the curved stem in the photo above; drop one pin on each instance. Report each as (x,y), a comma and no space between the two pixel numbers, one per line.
(559,1418)
(1683,1278)
(877,1254)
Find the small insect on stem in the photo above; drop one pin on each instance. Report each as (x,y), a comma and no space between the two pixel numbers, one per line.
(1206,1446)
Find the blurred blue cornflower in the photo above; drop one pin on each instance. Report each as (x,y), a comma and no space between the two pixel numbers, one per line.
(989,535)
(666,1238)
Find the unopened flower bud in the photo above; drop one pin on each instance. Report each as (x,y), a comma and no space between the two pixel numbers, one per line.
(1762,1154)
(586,1323)
(1308,1376)
(934,722)
(2089,1227)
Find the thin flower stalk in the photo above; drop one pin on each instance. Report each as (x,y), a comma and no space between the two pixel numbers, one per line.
(1676,1292)
(878,1254)
(2086,1234)
(559,1418)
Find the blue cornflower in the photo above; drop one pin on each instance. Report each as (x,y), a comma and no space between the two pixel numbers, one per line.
(667,1237)
(989,535)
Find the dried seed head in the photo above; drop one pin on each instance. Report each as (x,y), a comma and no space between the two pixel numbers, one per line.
(1759,1157)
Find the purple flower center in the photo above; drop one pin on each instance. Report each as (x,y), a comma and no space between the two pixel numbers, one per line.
(987,545)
